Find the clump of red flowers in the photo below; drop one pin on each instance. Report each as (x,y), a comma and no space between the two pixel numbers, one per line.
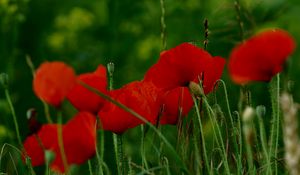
(174,71)
(160,98)
(78,134)
(260,57)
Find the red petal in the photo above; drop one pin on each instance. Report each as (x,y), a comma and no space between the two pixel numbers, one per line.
(79,136)
(179,98)
(85,100)
(260,57)
(53,81)
(141,97)
(182,64)
(34,148)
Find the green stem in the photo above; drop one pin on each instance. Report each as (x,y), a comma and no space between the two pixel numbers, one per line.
(202,136)
(90,167)
(61,142)
(125,108)
(47,112)
(239,161)
(250,159)
(144,160)
(163,25)
(100,155)
(14,117)
(275,93)
(263,140)
(100,161)
(102,144)
(218,134)
(117,139)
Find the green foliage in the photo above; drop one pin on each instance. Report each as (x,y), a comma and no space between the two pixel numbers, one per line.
(127,33)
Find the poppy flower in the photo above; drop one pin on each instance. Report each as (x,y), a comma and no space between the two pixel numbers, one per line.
(183,64)
(173,101)
(53,81)
(35,145)
(141,97)
(82,98)
(260,57)
(79,140)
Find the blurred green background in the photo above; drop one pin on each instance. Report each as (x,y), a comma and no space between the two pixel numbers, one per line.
(85,33)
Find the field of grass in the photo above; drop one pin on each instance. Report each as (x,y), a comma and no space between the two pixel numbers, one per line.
(149,87)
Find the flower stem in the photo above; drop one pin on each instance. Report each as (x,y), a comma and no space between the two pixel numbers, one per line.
(117,139)
(14,116)
(275,93)
(218,134)
(61,141)
(234,128)
(144,160)
(263,140)
(163,25)
(118,142)
(202,135)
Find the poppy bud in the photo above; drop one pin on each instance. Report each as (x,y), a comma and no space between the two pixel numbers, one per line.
(49,156)
(110,68)
(33,124)
(261,110)
(196,89)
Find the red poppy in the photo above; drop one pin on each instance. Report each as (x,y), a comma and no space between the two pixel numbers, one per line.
(141,97)
(260,57)
(53,81)
(184,63)
(79,139)
(35,145)
(173,101)
(82,98)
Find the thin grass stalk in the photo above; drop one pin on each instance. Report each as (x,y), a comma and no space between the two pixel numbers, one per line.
(239,161)
(27,159)
(217,134)
(61,142)
(163,25)
(263,139)
(125,108)
(274,138)
(198,164)
(166,164)
(202,136)
(240,141)
(206,32)
(90,167)
(100,155)
(12,109)
(144,160)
